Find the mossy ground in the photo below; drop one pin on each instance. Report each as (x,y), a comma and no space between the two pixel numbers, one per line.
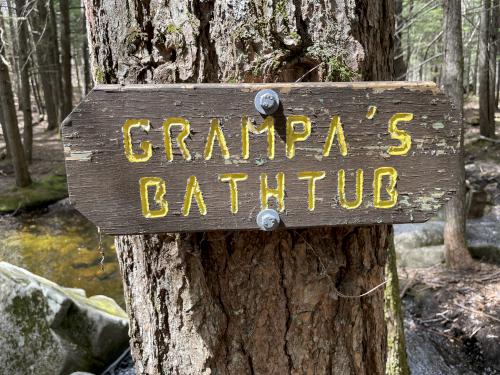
(48,189)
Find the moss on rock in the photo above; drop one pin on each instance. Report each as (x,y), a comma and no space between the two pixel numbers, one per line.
(49,189)
(50,330)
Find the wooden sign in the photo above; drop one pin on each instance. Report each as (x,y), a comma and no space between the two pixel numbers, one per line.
(170,158)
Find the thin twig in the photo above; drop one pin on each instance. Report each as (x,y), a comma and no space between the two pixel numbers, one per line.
(477,311)
(407,286)
(115,363)
(309,71)
(329,277)
(489,139)
(101,250)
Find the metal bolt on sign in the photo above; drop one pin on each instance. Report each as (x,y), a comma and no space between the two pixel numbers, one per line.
(268,220)
(267,102)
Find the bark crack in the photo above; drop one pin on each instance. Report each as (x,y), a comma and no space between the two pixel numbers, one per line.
(287,304)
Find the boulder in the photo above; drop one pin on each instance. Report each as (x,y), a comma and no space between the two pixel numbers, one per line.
(411,236)
(420,257)
(48,330)
(421,245)
(483,239)
(423,357)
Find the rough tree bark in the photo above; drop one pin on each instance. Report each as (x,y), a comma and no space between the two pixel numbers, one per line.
(456,253)
(249,302)
(12,136)
(487,128)
(41,26)
(55,70)
(2,119)
(498,83)
(476,64)
(399,60)
(24,65)
(67,87)
(14,47)
(493,50)
(87,74)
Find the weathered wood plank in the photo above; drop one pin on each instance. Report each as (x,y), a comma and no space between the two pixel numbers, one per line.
(104,184)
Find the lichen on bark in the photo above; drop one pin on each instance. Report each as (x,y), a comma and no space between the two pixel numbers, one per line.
(191,41)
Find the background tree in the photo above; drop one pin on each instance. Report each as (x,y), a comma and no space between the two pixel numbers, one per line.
(44,45)
(492,52)
(9,115)
(87,74)
(487,128)
(14,46)
(456,252)
(249,302)
(67,91)
(24,65)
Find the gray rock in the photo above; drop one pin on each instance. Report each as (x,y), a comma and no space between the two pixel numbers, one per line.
(411,236)
(423,358)
(420,245)
(81,373)
(46,329)
(483,239)
(420,257)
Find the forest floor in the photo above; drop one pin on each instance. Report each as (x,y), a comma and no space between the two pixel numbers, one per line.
(47,171)
(452,319)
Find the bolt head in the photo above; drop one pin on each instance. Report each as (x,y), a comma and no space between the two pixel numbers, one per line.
(268,220)
(267,102)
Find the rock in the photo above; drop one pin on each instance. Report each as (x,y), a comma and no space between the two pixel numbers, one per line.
(81,373)
(46,329)
(420,257)
(411,236)
(483,239)
(423,358)
(421,245)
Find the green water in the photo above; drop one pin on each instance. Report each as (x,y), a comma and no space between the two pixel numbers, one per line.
(62,246)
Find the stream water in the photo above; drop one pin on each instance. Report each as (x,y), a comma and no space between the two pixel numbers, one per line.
(63,246)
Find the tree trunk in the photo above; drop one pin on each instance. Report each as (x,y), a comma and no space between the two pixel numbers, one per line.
(475,86)
(56,74)
(43,46)
(12,136)
(498,85)
(87,74)
(397,363)
(250,302)
(76,59)
(25,98)
(2,119)
(487,129)
(399,60)
(467,64)
(14,47)
(493,49)
(67,91)
(34,74)
(456,253)
(36,93)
